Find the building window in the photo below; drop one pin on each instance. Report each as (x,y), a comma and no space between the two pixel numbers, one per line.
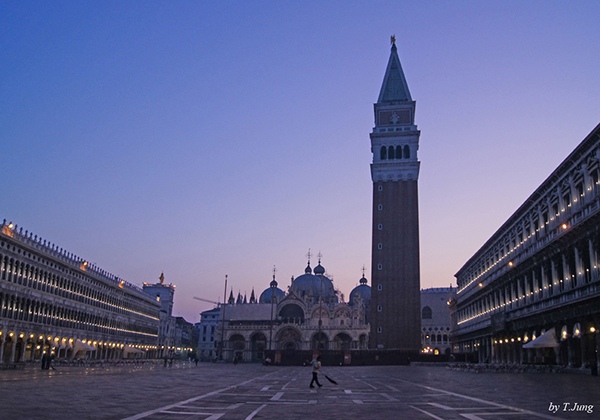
(379,246)
(380,227)
(426,313)
(379,308)
(379,330)
(383,153)
(380,207)
(406,152)
(379,287)
(379,266)
(391,152)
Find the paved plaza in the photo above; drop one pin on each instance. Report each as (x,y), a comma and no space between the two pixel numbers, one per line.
(251,391)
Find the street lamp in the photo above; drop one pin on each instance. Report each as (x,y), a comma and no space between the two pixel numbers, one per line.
(223,320)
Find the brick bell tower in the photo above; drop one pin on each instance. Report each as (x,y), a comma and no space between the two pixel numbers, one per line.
(395,298)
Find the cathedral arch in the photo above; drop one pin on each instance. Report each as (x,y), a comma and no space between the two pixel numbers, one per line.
(320,341)
(292,313)
(289,339)
(342,341)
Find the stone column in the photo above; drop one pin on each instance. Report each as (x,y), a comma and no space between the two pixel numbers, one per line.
(571,350)
(2,347)
(13,350)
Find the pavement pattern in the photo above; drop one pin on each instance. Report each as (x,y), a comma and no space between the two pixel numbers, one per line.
(250,391)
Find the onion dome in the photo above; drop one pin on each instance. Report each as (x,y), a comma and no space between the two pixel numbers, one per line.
(308,270)
(362,291)
(319,269)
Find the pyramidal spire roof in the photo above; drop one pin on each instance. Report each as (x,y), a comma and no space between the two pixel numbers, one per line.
(394,87)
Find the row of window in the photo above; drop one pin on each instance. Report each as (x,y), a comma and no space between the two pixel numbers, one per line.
(552,277)
(22,309)
(18,272)
(391,152)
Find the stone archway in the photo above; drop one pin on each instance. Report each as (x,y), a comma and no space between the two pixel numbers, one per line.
(258,344)
(320,341)
(237,344)
(342,341)
(289,339)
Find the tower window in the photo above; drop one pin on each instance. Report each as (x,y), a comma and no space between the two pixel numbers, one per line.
(379,330)
(399,152)
(380,207)
(379,287)
(383,153)
(391,152)
(379,308)
(406,152)
(380,227)
(380,188)
(379,246)
(379,267)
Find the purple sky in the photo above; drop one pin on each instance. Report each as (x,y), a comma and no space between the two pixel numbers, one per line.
(210,138)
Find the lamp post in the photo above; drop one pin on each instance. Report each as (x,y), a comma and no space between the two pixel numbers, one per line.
(273,286)
(223,320)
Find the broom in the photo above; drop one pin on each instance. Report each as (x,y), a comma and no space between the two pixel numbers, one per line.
(330,380)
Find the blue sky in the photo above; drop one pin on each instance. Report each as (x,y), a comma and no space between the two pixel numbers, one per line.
(211,138)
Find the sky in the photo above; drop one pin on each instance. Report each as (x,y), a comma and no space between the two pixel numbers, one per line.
(211,138)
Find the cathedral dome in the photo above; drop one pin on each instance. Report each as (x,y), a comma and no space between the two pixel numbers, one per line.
(265,297)
(362,290)
(310,285)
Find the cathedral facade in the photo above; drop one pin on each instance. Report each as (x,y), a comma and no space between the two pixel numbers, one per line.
(310,315)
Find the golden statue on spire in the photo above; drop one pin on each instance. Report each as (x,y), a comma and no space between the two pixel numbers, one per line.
(393,39)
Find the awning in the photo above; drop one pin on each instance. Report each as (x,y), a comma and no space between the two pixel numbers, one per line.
(548,339)
(81,346)
(129,349)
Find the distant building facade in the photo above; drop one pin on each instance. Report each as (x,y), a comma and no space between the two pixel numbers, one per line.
(53,302)
(435,320)
(209,321)
(395,305)
(531,293)
(165,295)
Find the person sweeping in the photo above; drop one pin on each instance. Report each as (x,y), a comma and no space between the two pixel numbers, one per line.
(316,365)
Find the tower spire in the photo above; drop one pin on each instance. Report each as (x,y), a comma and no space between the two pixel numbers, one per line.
(394,87)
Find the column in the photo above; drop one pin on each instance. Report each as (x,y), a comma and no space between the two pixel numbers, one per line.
(13,349)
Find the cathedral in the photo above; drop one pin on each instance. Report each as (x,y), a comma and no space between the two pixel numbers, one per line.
(310,315)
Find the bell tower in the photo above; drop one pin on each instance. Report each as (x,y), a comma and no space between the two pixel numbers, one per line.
(395,298)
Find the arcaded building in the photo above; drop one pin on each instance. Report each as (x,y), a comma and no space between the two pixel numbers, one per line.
(531,293)
(54,302)
(395,304)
